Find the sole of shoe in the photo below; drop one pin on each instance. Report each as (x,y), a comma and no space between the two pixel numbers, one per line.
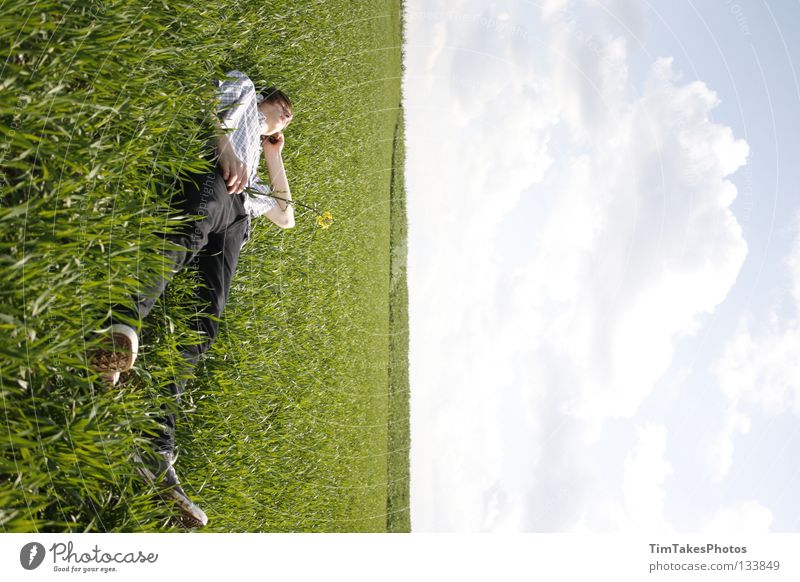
(188,522)
(190,516)
(120,351)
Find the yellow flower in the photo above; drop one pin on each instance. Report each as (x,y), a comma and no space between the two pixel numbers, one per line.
(324,220)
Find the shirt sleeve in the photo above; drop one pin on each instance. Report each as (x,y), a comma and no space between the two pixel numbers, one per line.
(260,203)
(234,93)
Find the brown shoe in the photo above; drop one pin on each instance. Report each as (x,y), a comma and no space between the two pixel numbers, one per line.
(117,354)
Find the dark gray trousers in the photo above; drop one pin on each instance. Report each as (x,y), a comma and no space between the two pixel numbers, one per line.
(213,243)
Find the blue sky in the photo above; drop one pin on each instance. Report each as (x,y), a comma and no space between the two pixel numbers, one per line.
(604,265)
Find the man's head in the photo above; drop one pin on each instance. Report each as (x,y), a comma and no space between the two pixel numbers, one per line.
(276,107)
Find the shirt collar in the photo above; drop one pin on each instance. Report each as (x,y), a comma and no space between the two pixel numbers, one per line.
(262,122)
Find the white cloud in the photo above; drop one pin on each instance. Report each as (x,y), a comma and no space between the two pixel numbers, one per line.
(438,41)
(759,366)
(552,8)
(566,228)
(639,505)
(720,449)
(643,482)
(639,241)
(749,517)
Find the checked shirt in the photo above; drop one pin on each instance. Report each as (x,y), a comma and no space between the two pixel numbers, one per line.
(239,115)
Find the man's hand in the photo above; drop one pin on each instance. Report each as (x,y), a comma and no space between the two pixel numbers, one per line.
(234,170)
(273,144)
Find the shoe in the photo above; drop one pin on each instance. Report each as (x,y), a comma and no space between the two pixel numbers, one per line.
(159,472)
(117,354)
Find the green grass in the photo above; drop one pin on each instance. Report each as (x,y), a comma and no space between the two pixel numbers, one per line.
(398,518)
(297,419)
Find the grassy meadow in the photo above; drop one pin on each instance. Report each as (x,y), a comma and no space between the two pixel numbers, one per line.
(297,419)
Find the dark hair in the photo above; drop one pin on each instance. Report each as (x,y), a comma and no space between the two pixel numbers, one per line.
(273,94)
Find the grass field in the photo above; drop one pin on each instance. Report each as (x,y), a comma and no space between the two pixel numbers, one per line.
(297,419)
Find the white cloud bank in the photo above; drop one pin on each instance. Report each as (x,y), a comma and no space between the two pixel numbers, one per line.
(643,483)
(566,228)
(640,507)
(639,241)
(760,367)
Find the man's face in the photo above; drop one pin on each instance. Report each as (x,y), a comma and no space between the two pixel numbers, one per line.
(276,116)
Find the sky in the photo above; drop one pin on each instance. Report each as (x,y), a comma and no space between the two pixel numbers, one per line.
(604,265)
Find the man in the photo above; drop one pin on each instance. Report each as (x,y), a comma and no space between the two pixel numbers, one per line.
(250,124)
